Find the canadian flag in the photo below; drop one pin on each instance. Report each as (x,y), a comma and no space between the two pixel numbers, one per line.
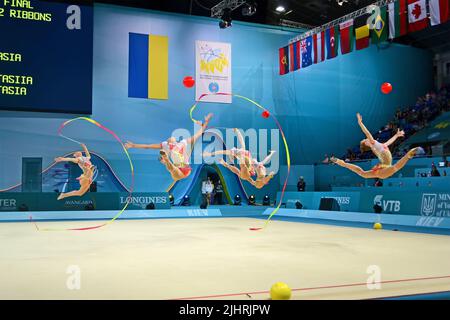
(417,15)
(319,47)
(439,11)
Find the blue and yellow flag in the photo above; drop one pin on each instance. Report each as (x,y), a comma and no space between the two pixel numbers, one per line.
(148,66)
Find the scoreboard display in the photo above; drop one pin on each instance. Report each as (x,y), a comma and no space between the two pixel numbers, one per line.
(46,56)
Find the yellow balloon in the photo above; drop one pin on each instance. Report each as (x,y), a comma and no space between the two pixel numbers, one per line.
(378,226)
(280,291)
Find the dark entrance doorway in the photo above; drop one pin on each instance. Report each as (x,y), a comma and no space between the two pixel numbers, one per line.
(219,196)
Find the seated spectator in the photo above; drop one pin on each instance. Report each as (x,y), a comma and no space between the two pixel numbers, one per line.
(326,160)
(301,185)
(434,171)
(378,183)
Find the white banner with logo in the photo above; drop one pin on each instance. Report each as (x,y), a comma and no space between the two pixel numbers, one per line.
(213,71)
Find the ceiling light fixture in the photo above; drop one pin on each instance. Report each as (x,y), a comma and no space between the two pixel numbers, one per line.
(249,8)
(280,9)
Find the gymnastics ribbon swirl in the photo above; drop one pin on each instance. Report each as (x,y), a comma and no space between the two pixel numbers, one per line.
(288,157)
(130,190)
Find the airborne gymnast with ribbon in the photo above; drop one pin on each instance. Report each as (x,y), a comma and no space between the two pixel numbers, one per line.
(85,164)
(288,158)
(248,166)
(87,176)
(174,155)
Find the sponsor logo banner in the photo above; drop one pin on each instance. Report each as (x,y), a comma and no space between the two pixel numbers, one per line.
(213,71)
(435,205)
(90,201)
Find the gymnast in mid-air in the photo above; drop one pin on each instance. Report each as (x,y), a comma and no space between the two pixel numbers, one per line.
(248,166)
(86,178)
(175,155)
(384,169)
(262,178)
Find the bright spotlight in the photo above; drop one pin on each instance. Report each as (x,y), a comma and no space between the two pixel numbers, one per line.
(237,200)
(266,200)
(280,9)
(225,20)
(249,8)
(252,200)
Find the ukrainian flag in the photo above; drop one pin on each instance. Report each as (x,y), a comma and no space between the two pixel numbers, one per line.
(148,66)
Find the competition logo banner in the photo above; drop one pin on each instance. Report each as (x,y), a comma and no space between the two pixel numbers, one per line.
(213,71)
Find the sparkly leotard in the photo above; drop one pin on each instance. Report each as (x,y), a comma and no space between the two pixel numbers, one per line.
(383,154)
(86,165)
(179,155)
(243,155)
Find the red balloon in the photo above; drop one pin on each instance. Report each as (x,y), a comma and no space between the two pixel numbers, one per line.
(188,82)
(266,114)
(386,88)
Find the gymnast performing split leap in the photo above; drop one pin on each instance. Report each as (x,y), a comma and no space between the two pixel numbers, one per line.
(174,155)
(384,169)
(86,179)
(248,166)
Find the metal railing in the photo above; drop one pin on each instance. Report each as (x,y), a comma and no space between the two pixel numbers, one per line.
(353,15)
(217,10)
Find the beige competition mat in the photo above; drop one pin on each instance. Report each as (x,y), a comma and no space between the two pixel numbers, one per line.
(217,259)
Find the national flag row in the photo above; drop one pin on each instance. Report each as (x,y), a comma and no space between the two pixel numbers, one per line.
(394,20)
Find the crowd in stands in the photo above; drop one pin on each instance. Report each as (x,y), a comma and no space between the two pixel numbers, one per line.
(411,120)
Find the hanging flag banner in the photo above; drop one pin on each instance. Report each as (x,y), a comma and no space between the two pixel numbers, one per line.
(417,15)
(319,47)
(148,66)
(332,40)
(362,32)
(294,53)
(213,71)
(346,29)
(439,11)
(306,48)
(380,29)
(398,19)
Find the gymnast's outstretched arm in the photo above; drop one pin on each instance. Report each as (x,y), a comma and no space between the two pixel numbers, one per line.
(399,134)
(364,129)
(241,139)
(86,151)
(267,159)
(218,152)
(131,145)
(203,125)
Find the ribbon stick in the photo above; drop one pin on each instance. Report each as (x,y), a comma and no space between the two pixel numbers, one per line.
(288,157)
(130,190)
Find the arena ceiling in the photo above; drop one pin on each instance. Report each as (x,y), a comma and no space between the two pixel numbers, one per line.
(306,12)
(311,12)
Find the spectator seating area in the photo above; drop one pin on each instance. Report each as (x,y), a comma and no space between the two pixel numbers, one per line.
(412,120)
(417,175)
(426,124)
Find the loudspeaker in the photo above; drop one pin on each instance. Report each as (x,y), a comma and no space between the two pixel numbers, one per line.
(329,204)
(377,208)
(89,206)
